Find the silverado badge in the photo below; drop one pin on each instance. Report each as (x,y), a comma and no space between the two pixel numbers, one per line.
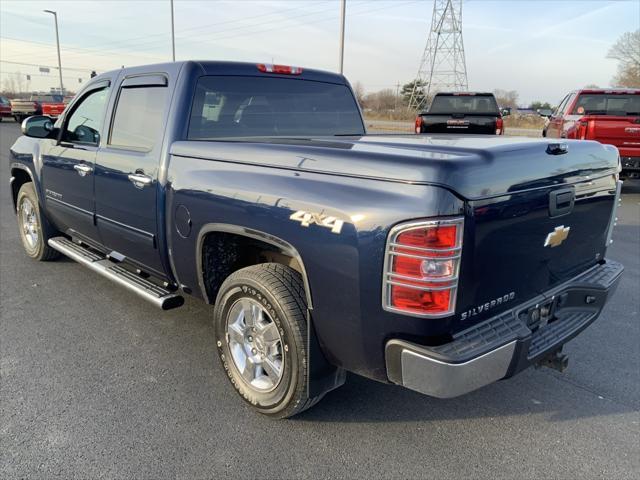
(556,237)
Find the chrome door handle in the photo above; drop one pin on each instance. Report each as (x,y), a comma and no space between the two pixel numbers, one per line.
(140,180)
(83,169)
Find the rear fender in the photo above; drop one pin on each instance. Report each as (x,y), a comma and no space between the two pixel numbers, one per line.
(323,376)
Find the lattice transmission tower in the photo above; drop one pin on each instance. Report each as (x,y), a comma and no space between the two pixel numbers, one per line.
(443,66)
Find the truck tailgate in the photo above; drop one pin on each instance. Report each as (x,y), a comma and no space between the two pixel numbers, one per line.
(23,106)
(520,245)
(53,109)
(468,123)
(623,132)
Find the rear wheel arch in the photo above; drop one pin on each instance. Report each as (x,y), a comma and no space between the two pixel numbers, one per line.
(241,247)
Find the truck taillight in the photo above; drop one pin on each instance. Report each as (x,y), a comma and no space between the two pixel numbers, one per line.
(499,126)
(418,124)
(422,261)
(582,128)
(282,69)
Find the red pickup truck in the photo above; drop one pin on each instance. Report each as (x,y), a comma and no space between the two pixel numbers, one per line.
(49,104)
(609,116)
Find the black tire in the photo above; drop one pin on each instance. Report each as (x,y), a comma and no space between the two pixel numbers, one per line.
(279,290)
(37,249)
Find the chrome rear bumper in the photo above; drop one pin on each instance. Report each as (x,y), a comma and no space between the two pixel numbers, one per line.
(504,345)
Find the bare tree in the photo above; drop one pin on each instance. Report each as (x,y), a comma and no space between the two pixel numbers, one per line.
(358,89)
(14,84)
(506,98)
(627,51)
(382,101)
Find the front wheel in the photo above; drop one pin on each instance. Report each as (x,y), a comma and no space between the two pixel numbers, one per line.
(261,330)
(33,228)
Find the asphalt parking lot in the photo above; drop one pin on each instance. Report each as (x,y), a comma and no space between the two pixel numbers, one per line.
(96,383)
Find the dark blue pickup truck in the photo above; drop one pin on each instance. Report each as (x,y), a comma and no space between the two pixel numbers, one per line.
(441,263)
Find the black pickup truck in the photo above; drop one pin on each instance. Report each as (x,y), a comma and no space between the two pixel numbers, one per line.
(440,263)
(462,112)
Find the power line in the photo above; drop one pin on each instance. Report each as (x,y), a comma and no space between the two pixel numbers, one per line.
(124,43)
(48,66)
(277,26)
(38,75)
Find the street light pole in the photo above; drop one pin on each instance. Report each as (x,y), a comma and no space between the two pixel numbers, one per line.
(343,7)
(55,17)
(173,37)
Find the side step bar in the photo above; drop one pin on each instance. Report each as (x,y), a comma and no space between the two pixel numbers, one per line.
(151,292)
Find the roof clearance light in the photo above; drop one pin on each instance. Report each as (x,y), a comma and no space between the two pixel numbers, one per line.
(281,69)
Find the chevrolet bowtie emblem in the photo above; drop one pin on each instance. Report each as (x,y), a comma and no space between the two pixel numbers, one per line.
(556,237)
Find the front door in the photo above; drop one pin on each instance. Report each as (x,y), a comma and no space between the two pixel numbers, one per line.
(127,171)
(68,164)
(555,121)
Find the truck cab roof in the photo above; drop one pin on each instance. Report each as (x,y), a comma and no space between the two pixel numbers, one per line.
(217,67)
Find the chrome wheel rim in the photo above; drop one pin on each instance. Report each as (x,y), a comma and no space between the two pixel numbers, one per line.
(255,345)
(29,219)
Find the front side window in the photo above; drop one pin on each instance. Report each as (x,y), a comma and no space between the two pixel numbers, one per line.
(236,106)
(560,108)
(137,123)
(567,106)
(85,122)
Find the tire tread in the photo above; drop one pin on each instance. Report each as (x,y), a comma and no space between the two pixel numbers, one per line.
(287,286)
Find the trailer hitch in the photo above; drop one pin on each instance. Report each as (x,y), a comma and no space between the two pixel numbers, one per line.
(556,360)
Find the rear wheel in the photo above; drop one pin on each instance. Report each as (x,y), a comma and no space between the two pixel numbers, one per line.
(33,228)
(261,330)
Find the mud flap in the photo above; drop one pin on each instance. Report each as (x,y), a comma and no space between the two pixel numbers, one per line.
(323,377)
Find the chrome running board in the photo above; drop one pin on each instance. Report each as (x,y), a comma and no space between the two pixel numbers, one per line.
(146,289)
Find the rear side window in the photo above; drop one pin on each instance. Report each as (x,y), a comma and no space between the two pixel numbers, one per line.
(235,106)
(477,104)
(137,123)
(47,98)
(607,104)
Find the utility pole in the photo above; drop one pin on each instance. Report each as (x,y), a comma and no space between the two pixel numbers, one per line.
(395,105)
(343,8)
(55,17)
(173,36)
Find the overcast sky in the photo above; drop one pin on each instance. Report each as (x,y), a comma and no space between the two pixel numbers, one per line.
(540,48)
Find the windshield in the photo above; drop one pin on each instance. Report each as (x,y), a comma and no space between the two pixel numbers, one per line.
(607,104)
(234,106)
(473,104)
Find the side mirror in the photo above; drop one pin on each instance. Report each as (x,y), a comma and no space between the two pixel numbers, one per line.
(506,112)
(38,126)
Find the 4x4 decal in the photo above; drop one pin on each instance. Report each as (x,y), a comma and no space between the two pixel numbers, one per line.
(307,218)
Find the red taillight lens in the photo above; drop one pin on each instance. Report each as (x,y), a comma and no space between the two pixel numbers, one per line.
(281,69)
(421,267)
(443,236)
(418,124)
(499,126)
(420,301)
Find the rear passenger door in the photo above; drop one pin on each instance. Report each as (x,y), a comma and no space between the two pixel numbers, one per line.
(126,173)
